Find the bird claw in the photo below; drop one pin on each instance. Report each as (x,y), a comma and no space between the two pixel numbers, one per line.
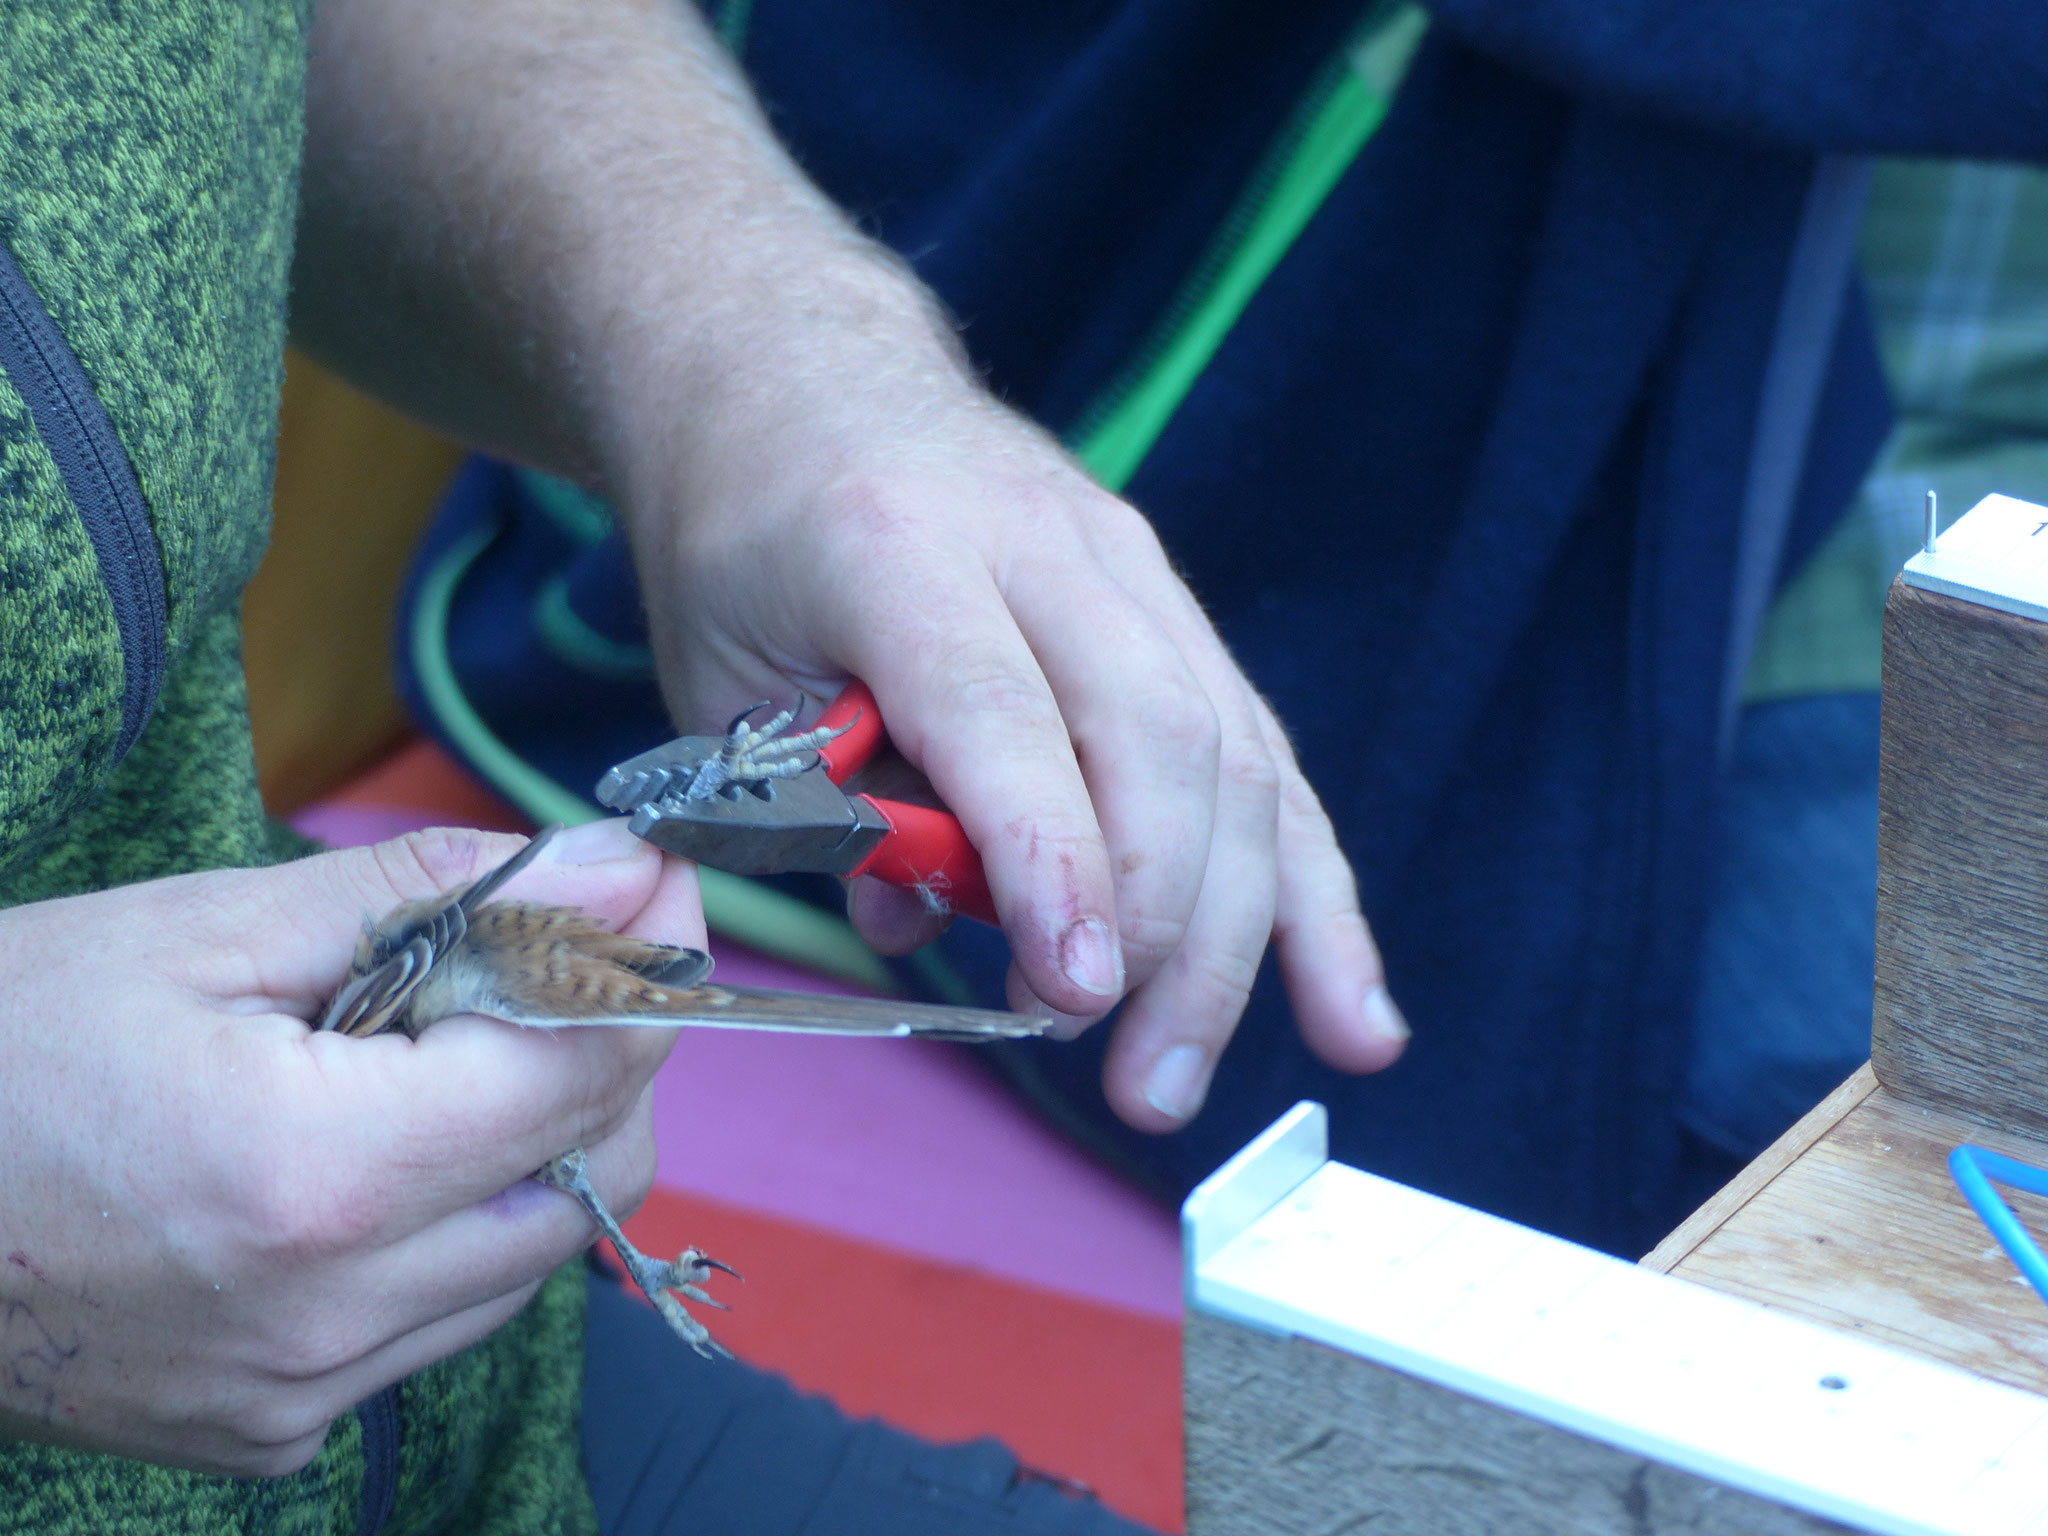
(693,1333)
(657,1279)
(756,755)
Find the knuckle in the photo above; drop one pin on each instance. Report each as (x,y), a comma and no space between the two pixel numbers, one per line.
(1149,942)
(1038,509)
(1129,531)
(275,1434)
(284,1460)
(1310,836)
(1221,980)
(591,1094)
(1182,724)
(866,511)
(438,857)
(1330,918)
(898,508)
(1249,773)
(311,1348)
(620,1075)
(1299,799)
(1128,540)
(981,679)
(295,1215)
(1051,837)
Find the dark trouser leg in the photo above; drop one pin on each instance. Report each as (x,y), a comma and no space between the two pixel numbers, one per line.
(675,1444)
(1788,951)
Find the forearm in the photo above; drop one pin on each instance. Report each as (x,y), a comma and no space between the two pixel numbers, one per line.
(561,229)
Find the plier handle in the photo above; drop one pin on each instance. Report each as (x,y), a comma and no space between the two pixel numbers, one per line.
(756,801)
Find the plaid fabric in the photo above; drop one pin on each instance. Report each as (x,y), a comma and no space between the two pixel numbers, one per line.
(1956,258)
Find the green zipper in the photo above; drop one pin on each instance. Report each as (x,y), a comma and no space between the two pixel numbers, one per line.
(1343,108)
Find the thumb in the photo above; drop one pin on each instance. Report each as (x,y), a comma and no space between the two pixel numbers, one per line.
(297,924)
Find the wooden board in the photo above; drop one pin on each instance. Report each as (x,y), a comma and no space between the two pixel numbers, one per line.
(1961,1018)
(1774,1160)
(1363,1356)
(1290,1438)
(1865,1231)
(1491,1356)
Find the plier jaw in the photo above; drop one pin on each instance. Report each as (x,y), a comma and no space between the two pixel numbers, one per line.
(754,802)
(770,827)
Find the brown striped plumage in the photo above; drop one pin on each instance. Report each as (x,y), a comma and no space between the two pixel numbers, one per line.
(552,967)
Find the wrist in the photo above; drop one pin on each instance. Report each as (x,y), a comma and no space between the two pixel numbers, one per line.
(802,366)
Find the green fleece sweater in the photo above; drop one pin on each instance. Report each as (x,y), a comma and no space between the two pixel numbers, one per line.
(147,194)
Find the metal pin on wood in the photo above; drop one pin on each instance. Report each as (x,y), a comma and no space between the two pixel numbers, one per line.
(1932,527)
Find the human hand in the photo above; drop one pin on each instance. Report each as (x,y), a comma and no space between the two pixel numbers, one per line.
(653,297)
(1142,820)
(223,1229)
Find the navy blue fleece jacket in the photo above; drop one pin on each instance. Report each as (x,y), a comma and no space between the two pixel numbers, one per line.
(1467,488)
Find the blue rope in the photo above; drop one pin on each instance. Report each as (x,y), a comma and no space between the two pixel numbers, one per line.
(1974,1169)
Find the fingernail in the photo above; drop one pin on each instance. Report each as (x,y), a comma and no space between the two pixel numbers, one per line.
(1062,1026)
(1179,1080)
(1382,1018)
(1090,956)
(594,842)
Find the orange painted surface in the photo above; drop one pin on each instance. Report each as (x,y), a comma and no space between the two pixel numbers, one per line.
(419,775)
(356,484)
(1077,1389)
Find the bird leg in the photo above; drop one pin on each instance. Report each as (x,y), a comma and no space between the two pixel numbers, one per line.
(682,1273)
(754,755)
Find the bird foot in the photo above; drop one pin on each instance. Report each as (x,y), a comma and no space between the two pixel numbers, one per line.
(753,756)
(658,1279)
(661,1280)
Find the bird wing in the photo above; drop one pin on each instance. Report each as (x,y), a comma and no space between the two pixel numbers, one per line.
(377,999)
(487,887)
(666,965)
(552,967)
(814,1013)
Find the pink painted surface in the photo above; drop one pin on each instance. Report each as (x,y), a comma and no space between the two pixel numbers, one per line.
(897,1142)
(351,826)
(906,1143)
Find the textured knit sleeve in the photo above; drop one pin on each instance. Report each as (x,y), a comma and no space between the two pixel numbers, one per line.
(147,197)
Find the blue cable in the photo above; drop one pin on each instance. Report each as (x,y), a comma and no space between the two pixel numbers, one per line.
(1973,1169)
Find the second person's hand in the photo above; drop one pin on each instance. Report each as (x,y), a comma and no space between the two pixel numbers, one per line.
(1145,828)
(225,1229)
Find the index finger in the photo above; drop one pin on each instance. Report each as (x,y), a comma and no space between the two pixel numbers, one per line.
(475,1104)
(966,701)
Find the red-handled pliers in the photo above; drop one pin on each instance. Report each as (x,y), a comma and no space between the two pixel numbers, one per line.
(757,801)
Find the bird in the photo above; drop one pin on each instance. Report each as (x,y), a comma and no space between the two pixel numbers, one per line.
(551,967)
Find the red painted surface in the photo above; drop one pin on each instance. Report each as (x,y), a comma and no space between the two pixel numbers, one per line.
(421,778)
(1075,1388)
